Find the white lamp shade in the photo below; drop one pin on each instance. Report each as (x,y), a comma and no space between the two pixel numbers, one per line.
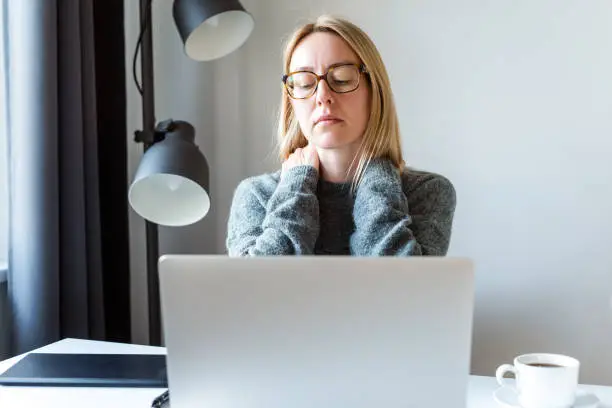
(169,199)
(219,36)
(211,29)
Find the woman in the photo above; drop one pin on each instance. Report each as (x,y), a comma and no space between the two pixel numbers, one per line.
(343,187)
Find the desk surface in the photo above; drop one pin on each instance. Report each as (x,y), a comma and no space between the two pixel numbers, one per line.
(480,389)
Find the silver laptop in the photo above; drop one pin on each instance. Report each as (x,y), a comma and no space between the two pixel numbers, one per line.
(317,332)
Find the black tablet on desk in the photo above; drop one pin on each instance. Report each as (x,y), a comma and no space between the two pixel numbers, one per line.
(88,370)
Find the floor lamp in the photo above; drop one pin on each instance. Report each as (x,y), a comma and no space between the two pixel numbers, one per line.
(171,184)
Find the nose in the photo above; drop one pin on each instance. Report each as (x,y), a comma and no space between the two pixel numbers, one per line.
(324,94)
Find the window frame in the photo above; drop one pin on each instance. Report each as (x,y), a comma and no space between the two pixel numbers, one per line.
(4,170)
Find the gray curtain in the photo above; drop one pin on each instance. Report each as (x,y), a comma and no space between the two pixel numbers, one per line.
(68,233)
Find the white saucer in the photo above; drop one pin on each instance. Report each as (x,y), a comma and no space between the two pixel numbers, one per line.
(506,397)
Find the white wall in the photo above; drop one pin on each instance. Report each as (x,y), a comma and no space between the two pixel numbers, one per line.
(510,100)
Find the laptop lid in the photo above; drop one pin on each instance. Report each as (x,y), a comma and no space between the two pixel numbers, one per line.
(324,332)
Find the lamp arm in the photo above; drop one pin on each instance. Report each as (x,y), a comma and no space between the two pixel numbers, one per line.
(146,66)
(150,137)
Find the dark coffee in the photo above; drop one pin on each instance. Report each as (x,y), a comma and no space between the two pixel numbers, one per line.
(544,365)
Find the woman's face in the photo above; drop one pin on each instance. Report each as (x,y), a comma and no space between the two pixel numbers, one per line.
(328,119)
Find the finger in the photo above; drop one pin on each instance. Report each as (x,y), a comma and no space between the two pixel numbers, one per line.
(312,153)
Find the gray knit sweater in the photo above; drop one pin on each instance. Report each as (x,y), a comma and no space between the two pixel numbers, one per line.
(299,214)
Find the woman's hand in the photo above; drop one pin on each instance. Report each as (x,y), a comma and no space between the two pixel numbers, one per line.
(302,156)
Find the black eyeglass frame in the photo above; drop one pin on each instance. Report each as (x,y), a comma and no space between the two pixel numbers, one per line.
(360,67)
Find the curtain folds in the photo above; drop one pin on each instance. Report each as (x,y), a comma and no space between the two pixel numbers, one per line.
(68,234)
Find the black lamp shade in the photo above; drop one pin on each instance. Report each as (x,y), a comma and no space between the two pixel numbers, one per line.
(211,29)
(171,184)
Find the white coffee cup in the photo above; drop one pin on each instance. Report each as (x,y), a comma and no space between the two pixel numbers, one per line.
(543,380)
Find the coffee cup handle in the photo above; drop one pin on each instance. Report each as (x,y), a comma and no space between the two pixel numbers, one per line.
(501,371)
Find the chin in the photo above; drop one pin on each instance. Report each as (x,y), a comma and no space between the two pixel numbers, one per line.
(332,141)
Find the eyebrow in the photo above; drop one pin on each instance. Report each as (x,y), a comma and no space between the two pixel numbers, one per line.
(311,69)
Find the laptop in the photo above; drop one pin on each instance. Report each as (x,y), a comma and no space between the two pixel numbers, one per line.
(317,332)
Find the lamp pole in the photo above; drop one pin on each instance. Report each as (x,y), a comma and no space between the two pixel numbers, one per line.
(148,123)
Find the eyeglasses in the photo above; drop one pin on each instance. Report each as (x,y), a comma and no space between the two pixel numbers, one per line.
(340,79)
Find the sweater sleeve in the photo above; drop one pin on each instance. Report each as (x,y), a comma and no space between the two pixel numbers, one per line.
(287,224)
(384,224)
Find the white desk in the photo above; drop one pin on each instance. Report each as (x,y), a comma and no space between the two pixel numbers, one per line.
(480,389)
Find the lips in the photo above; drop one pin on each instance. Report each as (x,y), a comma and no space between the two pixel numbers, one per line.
(327,120)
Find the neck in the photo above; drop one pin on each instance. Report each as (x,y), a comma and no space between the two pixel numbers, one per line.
(334,164)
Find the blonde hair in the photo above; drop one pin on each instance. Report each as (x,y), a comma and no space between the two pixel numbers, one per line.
(382,136)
